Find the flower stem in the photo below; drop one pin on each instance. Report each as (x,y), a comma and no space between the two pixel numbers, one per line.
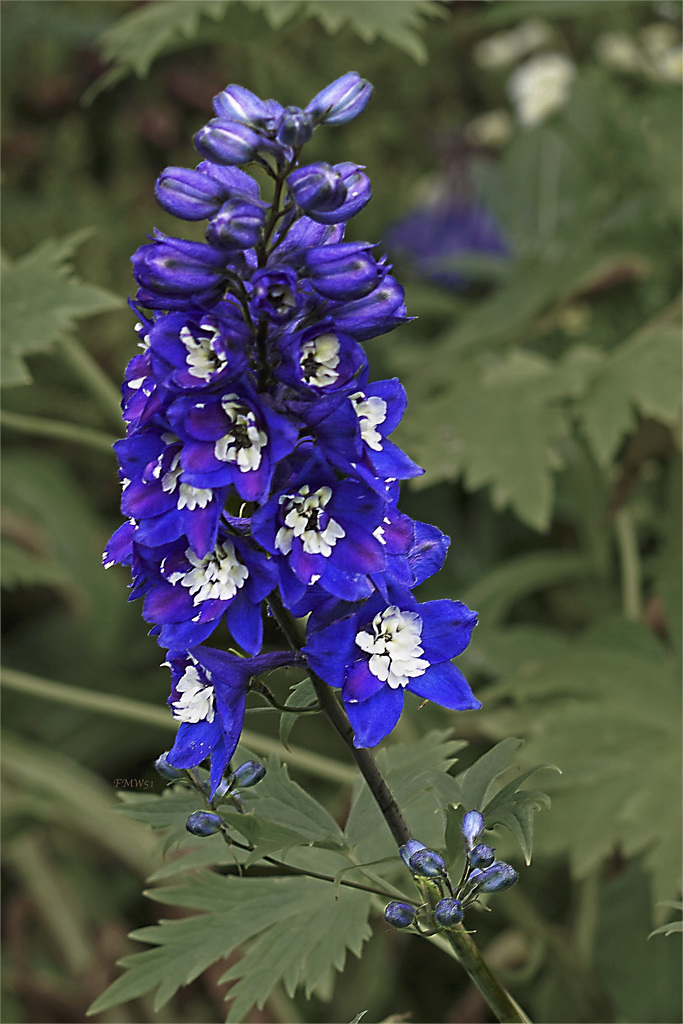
(94,379)
(393,816)
(38,426)
(629,556)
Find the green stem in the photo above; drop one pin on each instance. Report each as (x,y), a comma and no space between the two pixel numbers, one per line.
(37,426)
(629,557)
(470,959)
(146,714)
(94,379)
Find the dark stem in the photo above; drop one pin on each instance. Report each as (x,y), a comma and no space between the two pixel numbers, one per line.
(363,758)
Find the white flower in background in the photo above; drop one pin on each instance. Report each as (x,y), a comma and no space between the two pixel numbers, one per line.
(494,128)
(618,50)
(540,86)
(506,48)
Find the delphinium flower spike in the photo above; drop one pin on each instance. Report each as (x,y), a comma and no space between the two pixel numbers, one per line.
(257,464)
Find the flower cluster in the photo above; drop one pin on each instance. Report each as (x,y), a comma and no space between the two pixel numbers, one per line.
(257,466)
(482,874)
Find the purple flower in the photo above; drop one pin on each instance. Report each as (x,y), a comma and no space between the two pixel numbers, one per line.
(234,438)
(341,101)
(435,236)
(208,698)
(381,650)
(322,530)
(321,360)
(194,350)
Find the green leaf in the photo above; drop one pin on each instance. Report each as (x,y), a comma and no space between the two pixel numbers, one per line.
(515,810)
(302,695)
(375,19)
(266,836)
(496,592)
(138,38)
(280,800)
(497,427)
(641,376)
(474,784)
(301,931)
(42,300)
(607,712)
(417,775)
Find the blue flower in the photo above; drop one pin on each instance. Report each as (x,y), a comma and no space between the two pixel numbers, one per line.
(436,235)
(382,650)
(208,698)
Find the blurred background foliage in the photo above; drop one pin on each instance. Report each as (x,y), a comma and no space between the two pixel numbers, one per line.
(539,243)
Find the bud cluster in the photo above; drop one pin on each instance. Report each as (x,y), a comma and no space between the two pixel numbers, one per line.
(257,468)
(207,823)
(482,874)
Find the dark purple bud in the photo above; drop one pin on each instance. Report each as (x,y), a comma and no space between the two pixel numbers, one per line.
(275,293)
(237,225)
(317,188)
(174,266)
(248,774)
(411,847)
(239,104)
(341,101)
(376,313)
(344,271)
(496,878)
(166,770)
(295,128)
(472,827)
(358,193)
(203,823)
(482,856)
(227,142)
(188,194)
(427,864)
(399,915)
(448,913)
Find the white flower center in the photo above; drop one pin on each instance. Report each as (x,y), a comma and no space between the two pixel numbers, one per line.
(244,441)
(319,359)
(202,359)
(195,701)
(394,646)
(370,412)
(305,517)
(216,577)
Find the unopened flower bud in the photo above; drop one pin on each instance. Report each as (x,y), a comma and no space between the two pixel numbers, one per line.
(472,827)
(340,101)
(236,103)
(295,128)
(496,878)
(448,913)
(176,267)
(317,188)
(248,774)
(358,193)
(227,142)
(344,271)
(411,847)
(379,311)
(188,194)
(237,225)
(482,856)
(166,770)
(399,915)
(203,823)
(427,864)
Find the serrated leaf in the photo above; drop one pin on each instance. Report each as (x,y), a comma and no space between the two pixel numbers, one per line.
(138,38)
(607,712)
(266,836)
(42,300)
(302,695)
(641,376)
(496,427)
(668,929)
(302,931)
(283,801)
(375,19)
(515,808)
